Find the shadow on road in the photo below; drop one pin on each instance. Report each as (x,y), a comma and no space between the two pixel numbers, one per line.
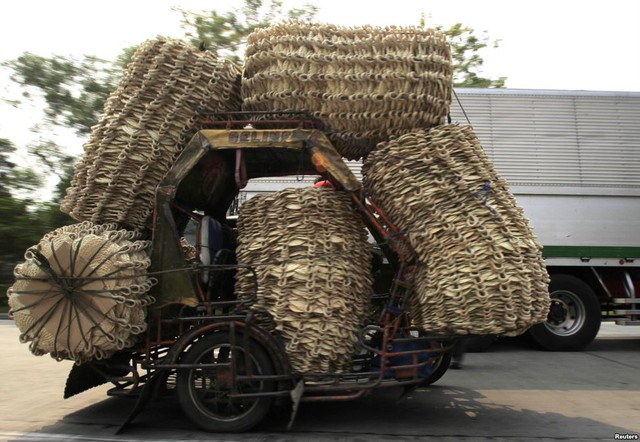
(433,413)
(442,411)
(504,344)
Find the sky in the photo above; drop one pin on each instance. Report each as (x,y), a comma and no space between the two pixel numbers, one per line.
(544,44)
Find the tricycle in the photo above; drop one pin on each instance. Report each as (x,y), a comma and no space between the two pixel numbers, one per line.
(213,350)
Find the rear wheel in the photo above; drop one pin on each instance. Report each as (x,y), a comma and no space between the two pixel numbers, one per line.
(439,368)
(204,393)
(574,316)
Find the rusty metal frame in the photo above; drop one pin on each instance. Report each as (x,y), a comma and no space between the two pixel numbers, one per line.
(393,323)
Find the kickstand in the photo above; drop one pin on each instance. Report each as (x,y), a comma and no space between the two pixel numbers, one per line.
(296,396)
(145,395)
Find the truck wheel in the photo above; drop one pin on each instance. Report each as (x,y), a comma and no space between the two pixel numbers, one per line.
(203,393)
(574,316)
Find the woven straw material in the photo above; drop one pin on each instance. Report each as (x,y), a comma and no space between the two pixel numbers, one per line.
(480,267)
(87,299)
(310,253)
(365,84)
(146,123)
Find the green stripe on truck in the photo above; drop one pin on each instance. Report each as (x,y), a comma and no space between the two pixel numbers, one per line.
(591,252)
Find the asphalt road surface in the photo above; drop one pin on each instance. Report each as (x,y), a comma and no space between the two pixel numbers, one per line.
(512,392)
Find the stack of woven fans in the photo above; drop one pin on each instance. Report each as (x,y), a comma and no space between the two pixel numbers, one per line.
(82,292)
(480,268)
(146,123)
(366,84)
(313,266)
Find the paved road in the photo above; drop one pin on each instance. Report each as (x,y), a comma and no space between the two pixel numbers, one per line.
(511,393)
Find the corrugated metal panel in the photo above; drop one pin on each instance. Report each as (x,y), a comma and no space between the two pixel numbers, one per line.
(547,138)
(585,141)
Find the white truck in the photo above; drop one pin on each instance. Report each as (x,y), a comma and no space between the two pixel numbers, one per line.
(572,159)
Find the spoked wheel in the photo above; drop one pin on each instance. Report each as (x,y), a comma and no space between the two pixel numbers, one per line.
(205,393)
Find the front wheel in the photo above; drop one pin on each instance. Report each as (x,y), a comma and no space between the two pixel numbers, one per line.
(574,316)
(205,393)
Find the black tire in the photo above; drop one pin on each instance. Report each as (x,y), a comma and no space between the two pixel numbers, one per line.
(574,317)
(440,367)
(206,403)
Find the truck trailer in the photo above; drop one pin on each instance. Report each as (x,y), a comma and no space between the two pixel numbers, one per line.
(572,159)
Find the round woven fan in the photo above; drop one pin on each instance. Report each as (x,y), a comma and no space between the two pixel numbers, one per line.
(81,293)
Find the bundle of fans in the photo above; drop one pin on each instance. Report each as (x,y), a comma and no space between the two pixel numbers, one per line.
(383,95)
(91,305)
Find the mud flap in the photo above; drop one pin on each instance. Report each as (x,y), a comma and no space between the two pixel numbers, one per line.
(82,378)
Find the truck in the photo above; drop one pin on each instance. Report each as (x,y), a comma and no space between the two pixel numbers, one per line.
(572,160)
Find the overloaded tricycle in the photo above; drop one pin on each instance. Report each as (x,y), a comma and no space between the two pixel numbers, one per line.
(221,355)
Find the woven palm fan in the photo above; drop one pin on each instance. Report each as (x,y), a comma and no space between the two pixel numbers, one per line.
(481,269)
(365,84)
(81,293)
(312,260)
(147,121)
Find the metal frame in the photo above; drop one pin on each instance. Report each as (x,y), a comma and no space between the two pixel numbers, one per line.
(160,355)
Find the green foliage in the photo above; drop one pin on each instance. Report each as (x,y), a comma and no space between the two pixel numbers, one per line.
(23,222)
(13,179)
(51,157)
(74,91)
(6,166)
(465,52)
(224,33)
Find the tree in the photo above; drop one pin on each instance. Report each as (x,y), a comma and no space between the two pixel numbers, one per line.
(74,91)
(465,48)
(224,33)
(6,166)
(465,52)
(51,157)
(22,220)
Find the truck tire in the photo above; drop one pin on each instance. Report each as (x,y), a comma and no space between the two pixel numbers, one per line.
(574,316)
